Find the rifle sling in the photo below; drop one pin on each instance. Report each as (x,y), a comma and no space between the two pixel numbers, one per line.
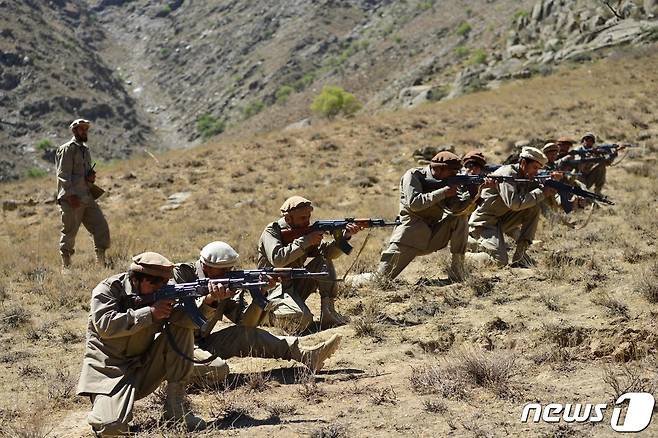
(178,351)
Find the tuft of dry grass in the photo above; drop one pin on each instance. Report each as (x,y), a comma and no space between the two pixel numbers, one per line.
(14,316)
(384,396)
(435,406)
(550,300)
(333,430)
(466,369)
(369,323)
(61,388)
(481,286)
(647,284)
(614,306)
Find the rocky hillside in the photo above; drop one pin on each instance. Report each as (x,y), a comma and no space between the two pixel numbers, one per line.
(50,73)
(160,74)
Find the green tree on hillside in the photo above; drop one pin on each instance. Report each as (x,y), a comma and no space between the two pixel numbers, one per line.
(333,100)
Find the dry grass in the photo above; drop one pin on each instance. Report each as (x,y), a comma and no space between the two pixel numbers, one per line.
(614,306)
(466,369)
(647,283)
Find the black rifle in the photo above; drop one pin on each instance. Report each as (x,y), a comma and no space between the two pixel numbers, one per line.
(187,293)
(563,189)
(335,227)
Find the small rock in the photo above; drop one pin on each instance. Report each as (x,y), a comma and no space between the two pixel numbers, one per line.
(178,198)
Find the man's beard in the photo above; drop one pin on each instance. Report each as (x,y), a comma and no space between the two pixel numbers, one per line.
(82,138)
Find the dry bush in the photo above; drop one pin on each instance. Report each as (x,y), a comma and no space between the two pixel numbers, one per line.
(34,427)
(308,389)
(628,379)
(474,424)
(613,305)
(333,430)
(279,409)
(384,396)
(230,405)
(481,286)
(369,323)
(647,284)
(258,381)
(435,406)
(13,316)
(550,300)
(453,299)
(563,335)
(466,369)
(61,388)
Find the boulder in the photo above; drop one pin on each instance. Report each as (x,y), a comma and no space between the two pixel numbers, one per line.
(302,124)
(650,8)
(409,94)
(517,51)
(537,12)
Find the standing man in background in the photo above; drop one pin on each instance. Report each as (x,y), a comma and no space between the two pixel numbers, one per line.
(77,193)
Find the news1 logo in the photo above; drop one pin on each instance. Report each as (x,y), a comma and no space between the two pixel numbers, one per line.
(637,418)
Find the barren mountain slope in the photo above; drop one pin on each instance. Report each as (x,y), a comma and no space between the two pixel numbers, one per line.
(418,358)
(148,72)
(51,73)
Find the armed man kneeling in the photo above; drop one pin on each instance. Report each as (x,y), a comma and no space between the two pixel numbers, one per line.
(243,339)
(509,205)
(430,218)
(275,251)
(128,356)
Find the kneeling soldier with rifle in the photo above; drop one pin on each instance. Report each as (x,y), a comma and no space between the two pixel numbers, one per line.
(243,339)
(430,215)
(280,246)
(128,356)
(510,204)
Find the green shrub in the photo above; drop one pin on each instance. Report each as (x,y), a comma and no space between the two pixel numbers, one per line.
(334,100)
(209,126)
(423,6)
(36,172)
(304,82)
(283,93)
(44,144)
(462,52)
(479,56)
(520,13)
(252,108)
(464,29)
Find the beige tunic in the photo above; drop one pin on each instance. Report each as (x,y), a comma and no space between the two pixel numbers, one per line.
(118,337)
(505,197)
(73,163)
(272,252)
(420,212)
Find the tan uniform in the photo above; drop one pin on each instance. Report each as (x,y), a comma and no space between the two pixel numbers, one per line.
(236,340)
(73,163)
(503,209)
(127,356)
(594,175)
(291,295)
(429,221)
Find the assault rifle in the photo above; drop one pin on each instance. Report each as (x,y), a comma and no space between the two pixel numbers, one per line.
(187,293)
(545,180)
(335,227)
(602,149)
(578,161)
(95,191)
(249,279)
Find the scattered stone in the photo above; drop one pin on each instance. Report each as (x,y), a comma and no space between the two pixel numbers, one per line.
(302,124)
